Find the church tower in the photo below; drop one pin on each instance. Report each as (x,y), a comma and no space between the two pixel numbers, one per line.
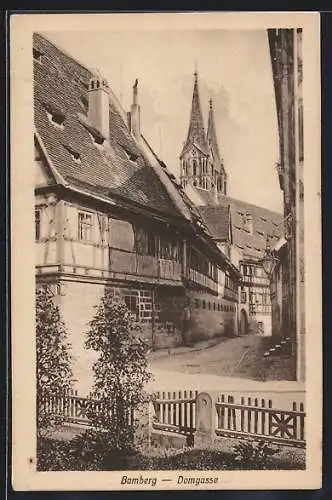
(218,173)
(201,165)
(194,157)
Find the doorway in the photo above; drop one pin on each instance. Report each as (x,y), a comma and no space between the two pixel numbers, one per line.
(244,324)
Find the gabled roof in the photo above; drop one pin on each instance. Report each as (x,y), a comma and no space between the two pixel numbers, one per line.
(196,132)
(121,167)
(266,223)
(217,220)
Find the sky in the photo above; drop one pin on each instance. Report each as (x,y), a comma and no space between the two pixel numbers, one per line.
(234,70)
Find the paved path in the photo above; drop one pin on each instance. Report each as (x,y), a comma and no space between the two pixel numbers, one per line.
(282,393)
(239,357)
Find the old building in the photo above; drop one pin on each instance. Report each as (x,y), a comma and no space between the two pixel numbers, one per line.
(109,214)
(286,59)
(240,229)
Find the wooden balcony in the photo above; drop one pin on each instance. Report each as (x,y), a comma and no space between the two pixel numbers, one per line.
(130,263)
(203,280)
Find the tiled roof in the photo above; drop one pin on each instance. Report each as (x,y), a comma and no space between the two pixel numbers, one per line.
(217,220)
(121,167)
(266,223)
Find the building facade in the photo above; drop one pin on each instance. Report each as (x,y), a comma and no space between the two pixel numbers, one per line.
(241,230)
(287,69)
(110,216)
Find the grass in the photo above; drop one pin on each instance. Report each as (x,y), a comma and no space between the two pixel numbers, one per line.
(56,455)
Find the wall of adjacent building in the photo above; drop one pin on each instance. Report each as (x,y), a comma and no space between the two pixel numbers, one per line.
(211,316)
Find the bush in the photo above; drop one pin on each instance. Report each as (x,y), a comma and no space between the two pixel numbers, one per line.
(54,359)
(253,454)
(120,372)
(95,451)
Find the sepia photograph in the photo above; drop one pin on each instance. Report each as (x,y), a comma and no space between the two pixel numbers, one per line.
(167,210)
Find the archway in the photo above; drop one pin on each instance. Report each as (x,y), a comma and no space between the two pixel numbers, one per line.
(244,324)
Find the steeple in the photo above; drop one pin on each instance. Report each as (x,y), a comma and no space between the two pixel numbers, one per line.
(211,135)
(196,131)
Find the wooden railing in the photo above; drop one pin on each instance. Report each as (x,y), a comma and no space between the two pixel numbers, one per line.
(132,263)
(203,280)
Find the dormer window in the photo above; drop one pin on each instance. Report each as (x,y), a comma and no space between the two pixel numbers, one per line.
(56,119)
(130,155)
(37,55)
(55,115)
(248,223)
(97,139)
(74,154)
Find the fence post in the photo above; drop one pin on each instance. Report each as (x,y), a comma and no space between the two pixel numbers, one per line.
(205,421)
(144,417)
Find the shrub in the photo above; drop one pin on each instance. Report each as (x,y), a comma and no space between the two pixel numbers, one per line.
(54,359)
(253,454)
(120,372)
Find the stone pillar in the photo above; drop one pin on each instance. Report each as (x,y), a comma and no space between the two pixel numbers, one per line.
(205,421)
(144,418)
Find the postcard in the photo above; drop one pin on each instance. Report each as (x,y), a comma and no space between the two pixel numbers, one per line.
(165,251)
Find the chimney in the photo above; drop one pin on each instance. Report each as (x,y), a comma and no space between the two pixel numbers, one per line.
(135,114)
(98,104)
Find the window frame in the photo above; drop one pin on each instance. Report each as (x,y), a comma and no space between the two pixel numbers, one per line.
(87,226)
(37,224)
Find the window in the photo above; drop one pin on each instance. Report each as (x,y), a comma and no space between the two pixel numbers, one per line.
(132,304)
(74,154)
(151,244)
(204,304)
(214,306)
(37,55)
(84,226)
(209,306)
(260,325)
(197,303)
(243,296)
(37,225)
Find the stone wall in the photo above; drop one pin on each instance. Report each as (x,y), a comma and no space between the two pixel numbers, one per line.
(211,316)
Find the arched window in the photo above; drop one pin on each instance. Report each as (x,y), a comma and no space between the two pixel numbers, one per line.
(194,167)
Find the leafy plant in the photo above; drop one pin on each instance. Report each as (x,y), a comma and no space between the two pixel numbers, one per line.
(120,371)
(54,358)
(252,454)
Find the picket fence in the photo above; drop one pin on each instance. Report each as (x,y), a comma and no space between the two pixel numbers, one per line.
(176,412)
(74,409)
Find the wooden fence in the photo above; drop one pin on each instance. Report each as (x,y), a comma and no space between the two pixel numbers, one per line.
(259,420)
(74,409)
(176,412)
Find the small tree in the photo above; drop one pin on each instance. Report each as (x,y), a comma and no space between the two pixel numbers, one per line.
(120,371)
(54,359)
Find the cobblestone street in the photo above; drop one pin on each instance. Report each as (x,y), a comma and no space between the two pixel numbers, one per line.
(239,357)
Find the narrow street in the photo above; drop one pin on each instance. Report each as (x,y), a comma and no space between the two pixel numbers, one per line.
(231,365)
(239,357)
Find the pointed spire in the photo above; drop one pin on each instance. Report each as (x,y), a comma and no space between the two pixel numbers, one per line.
(211,135)
(196,131)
